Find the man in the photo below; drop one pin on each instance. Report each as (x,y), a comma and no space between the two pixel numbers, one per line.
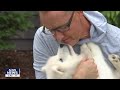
(74,28)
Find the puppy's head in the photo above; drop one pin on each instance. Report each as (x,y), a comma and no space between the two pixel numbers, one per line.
(53,68)
(57,65)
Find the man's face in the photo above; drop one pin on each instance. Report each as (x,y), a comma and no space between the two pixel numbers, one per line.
(66,27)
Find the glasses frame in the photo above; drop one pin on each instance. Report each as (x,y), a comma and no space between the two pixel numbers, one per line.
(58,29)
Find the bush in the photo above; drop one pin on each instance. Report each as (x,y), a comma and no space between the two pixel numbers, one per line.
(10,23)
(113,17)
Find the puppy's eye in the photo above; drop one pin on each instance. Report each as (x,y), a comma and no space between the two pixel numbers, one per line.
(113,57)
(61,59)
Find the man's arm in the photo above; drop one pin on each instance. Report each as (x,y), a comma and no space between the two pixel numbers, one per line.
(40,54)
(39,75)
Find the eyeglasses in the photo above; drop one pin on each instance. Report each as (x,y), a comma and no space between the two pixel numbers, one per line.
(62,28)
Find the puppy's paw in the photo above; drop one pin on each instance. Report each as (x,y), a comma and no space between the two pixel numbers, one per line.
(58,70)
(115,60)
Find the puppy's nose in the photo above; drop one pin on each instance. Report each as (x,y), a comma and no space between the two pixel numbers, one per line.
(61,45)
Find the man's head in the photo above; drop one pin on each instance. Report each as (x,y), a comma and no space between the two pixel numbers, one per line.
(66,26)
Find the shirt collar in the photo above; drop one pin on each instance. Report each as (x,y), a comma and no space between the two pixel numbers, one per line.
(92,29)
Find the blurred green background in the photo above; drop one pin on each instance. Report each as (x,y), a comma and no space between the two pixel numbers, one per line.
(10,23)
(13,21)
(113,17)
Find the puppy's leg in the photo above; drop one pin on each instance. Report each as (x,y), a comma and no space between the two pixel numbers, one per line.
(104,70)
(115,60)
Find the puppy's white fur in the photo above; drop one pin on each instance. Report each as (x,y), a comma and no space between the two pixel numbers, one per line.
(64,64)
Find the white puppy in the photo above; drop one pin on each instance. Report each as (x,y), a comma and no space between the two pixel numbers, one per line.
(64,64)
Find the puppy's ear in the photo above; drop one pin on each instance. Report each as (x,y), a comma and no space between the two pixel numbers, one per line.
(58,70)
(86,51)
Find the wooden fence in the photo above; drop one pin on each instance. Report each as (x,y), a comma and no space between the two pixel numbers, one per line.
(24,40)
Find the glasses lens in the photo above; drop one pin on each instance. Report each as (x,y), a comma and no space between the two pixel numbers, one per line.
(63,29)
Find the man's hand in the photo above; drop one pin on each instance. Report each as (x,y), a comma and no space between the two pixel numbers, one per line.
(87,69)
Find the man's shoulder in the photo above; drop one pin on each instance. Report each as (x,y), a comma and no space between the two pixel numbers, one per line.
(40,36)
(39,30)
(39,33)
(113,26)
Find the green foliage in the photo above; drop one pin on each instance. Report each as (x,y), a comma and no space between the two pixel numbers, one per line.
(113,17)
(10,23)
